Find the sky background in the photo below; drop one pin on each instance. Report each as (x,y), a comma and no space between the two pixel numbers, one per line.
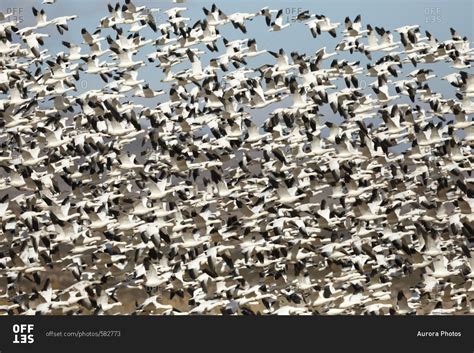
(436,16)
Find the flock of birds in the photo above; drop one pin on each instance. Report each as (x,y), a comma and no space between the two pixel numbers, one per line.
(188,206)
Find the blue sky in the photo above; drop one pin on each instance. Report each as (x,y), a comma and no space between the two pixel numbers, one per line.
(435,16)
